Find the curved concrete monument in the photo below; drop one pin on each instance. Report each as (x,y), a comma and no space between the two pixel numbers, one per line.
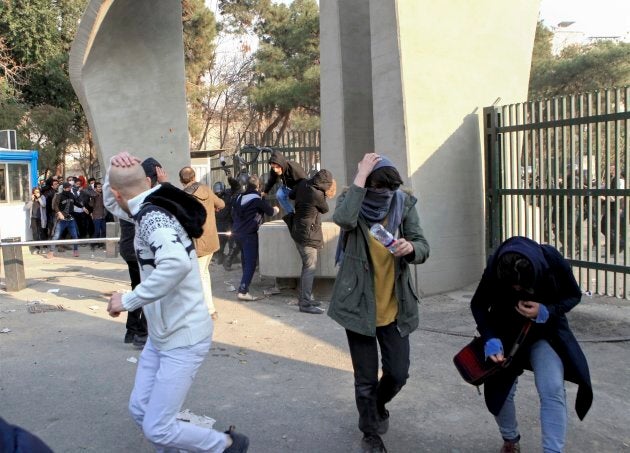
(127,68)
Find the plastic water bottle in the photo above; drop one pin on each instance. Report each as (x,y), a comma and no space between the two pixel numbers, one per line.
(383,236)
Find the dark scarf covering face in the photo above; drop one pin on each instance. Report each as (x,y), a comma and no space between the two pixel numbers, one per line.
(379,206)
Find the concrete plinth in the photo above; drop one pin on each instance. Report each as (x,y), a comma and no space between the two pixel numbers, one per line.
(278,257)
(13,261)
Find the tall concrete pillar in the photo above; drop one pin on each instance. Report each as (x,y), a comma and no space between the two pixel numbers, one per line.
(346,72)
(434,66)
(127,68)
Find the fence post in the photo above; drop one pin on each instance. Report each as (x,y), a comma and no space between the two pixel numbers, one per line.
(112,230)
(13,265)
(492,146)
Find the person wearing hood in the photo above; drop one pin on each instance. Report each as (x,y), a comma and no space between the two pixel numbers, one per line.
(248,212)
(208,242)
(528,283)
(305,226)
(167,220)
(65,209)
(373,297)
(289,173)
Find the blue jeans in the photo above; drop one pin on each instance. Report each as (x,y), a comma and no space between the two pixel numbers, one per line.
(549,379)
(71,226)
(282,195)
(99,230)
(249,258)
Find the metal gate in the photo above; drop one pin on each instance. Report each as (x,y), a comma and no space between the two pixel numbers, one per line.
(556,172)
(302,147)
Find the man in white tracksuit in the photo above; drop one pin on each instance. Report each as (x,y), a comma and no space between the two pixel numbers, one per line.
(180,327)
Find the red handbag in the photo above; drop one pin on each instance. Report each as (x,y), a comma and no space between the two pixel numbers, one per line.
(471,360)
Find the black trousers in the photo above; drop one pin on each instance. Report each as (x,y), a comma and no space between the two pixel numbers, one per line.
(372,394)
(136,322)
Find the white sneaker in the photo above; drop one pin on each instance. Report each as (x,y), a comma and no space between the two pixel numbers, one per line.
(246,296)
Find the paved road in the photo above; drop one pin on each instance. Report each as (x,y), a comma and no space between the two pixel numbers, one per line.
(282,377)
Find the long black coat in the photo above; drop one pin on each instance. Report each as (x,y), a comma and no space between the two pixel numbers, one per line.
(493,307)
(310,203)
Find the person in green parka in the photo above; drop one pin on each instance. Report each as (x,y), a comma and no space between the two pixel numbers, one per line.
(373,296)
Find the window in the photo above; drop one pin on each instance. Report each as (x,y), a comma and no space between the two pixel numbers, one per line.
(14,182)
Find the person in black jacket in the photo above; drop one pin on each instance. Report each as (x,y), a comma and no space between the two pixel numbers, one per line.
(224,221)
(65,220)
(305,226)
(525,282)
(289,172)
(247,216)
(49,190)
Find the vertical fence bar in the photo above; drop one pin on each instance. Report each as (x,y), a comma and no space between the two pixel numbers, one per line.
(550,183)
(585,202)
(515,157)
(607,209)
(541,173)
(601,178)
(573,184)
(492,154)
(523,148)
(566,235)
(593,232)
(626,156)
(619,230)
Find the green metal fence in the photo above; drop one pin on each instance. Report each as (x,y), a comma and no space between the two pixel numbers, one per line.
(556,172)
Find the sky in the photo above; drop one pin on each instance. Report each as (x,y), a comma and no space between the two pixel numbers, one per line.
(594,17)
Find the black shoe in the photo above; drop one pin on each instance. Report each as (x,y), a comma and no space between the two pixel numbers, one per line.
(240,442)
(139,341)
(315,303)
(372,443)
(129,337)
(311,309)
(383,422)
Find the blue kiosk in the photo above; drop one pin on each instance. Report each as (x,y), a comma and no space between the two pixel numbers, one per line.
(18,177)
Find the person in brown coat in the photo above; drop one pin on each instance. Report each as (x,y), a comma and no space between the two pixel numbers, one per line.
(208,243)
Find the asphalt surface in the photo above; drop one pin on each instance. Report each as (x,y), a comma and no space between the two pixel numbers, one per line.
(282,377)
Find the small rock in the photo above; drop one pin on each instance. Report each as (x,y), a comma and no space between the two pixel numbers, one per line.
(132,360)
(5,330)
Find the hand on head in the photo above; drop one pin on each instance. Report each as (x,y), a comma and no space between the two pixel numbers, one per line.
(365,167)
(161,174)
(124,159)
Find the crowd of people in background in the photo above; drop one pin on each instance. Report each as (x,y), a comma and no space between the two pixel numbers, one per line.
(61,209)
